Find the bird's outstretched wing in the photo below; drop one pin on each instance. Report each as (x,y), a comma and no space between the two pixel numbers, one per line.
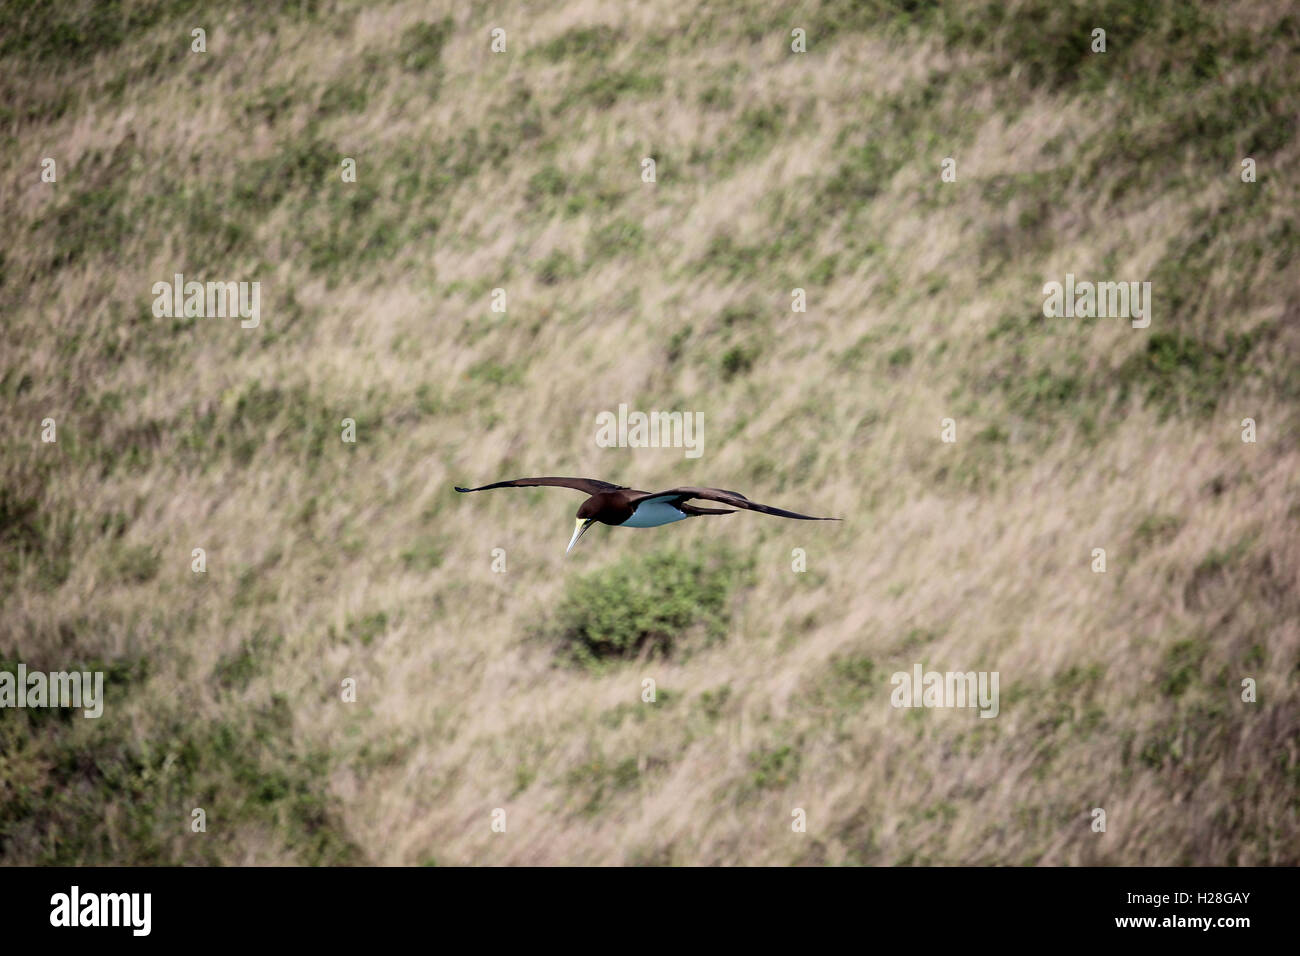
(733,498)
(590,486)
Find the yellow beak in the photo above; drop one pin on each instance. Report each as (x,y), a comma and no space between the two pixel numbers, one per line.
(582,525)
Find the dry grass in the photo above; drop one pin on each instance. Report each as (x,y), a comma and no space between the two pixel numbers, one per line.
(327,560)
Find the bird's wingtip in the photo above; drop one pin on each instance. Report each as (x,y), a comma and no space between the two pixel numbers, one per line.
(459,488)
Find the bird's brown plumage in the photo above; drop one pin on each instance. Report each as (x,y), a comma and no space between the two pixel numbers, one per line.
(592,486)
(614,504)
(733,499)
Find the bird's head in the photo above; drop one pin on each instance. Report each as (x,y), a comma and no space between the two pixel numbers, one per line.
(586,518)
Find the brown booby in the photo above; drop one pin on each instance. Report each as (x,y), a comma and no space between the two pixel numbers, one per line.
(626,507)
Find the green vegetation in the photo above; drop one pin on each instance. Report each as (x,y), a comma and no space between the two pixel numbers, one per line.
(421,45)
(645,606)
(773,767)
(1177,371)
(581,45)
(598,779)
(247,773)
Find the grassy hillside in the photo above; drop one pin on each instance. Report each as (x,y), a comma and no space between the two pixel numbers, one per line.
(522,690)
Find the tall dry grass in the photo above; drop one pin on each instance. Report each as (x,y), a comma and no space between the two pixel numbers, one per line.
(327,561)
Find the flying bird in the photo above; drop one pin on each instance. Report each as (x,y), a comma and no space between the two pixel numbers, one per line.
(626,507)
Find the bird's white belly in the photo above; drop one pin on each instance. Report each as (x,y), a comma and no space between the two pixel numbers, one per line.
(652,514)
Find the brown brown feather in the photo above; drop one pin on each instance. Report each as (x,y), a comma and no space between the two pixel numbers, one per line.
(591,486)
(732,498)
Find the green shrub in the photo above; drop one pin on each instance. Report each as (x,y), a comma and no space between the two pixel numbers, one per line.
(581,45)
(901,357)
(421,46)
(773,767)
(135,565)
(1157,528)
(645,605)
(610,86)
(616,238)
(1182,667)
(557,267)
(31,533)
(738,360)
(1179,371)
